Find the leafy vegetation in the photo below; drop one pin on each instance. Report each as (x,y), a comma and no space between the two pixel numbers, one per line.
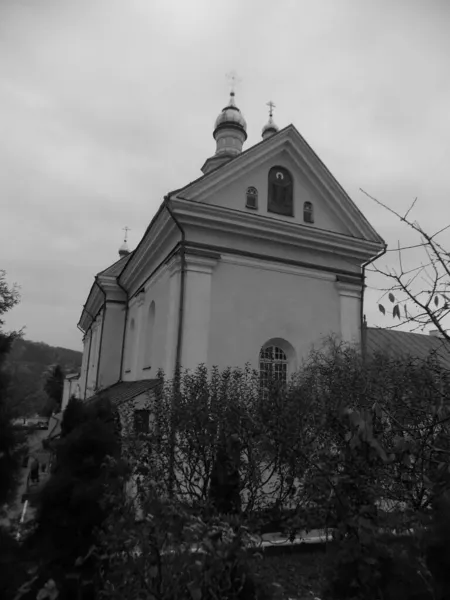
(71,505)
(356,446)
(28,364)
(11,442)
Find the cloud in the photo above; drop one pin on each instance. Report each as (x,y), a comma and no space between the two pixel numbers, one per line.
(106,105)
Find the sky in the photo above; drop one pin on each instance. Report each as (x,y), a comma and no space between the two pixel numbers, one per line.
(107,105)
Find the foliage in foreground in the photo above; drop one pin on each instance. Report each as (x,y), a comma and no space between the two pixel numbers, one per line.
(11,442)
(174,554)
(71,505)
(359,446)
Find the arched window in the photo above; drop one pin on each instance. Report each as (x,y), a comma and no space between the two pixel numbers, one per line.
(281,192)
(252,198)
(308,214)
(149,338)
(273,365)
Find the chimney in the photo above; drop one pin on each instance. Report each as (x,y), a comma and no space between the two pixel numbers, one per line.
(436,333)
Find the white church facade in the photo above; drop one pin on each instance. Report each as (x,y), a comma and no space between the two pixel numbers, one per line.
(254,262)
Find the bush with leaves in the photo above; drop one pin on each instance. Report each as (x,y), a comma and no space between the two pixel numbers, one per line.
(174,554)
(344,441)
(71,505)
(11,441)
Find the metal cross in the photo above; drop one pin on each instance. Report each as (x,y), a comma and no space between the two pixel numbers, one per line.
(233,80)
(271,106)
(126,229)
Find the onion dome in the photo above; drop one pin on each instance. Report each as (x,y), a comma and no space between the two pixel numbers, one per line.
(230,133)
(232,117)
(124,250)
(270,128)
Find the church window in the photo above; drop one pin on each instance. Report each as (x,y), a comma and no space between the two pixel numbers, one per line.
(273,365)
(252,198)
(149,336)
(281,192)
(141,421)
(308,214)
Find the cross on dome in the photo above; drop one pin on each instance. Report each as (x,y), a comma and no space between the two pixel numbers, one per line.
(126,229)
(269,128)
(124,250)
(271,106)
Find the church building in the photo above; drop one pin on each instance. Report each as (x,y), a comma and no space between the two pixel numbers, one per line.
(255,261)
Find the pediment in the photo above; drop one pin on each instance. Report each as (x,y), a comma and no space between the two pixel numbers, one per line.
(333,209)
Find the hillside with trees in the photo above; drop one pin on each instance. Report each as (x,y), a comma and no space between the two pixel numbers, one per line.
(30,364)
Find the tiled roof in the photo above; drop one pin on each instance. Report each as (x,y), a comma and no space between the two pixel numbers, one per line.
(115,269)
(125,390)
(403,343)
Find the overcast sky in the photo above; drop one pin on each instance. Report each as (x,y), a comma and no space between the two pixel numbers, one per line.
(106,105)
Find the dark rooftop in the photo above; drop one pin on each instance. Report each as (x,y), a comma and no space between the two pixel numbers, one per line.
(402,343)
(125,390)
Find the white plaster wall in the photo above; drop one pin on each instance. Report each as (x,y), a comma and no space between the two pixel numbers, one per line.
(112,342)
(94,355)
(234,194)
(250,306)
(71,388)
(66,395)
(84,363)
(274,249)
(156,290)
(130,341)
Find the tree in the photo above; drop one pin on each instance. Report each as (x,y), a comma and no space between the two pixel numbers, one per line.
(418,293)
(73,503)
(74,416)
(54,386)
(10,440)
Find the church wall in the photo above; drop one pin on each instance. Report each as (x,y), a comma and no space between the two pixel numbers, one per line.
(131,335)
(84,363)
(111,344)
(139,350)
(96,332)
(271,249)
(234,195)
(250,306)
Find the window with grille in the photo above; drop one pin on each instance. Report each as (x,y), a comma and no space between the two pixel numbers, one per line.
(273,365)
(141,421)
(252,198)
(281,192)
(308,215)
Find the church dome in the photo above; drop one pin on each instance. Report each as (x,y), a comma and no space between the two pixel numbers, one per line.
(269,128)
(124,250)
(231,117)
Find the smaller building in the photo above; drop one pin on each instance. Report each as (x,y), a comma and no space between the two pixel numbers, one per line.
(71,388)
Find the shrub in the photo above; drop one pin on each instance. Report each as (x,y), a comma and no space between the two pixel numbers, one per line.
(173,554)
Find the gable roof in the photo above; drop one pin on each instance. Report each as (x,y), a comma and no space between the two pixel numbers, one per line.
(399,344)
(115,269)
(125,391)
(301,152)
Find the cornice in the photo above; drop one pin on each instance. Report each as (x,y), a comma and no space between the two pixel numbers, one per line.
(155,242)
(254,263)
(92,307)
(306,159)
(217,218)
(348,288)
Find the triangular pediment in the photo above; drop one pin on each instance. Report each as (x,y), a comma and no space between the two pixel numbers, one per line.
(312,182)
